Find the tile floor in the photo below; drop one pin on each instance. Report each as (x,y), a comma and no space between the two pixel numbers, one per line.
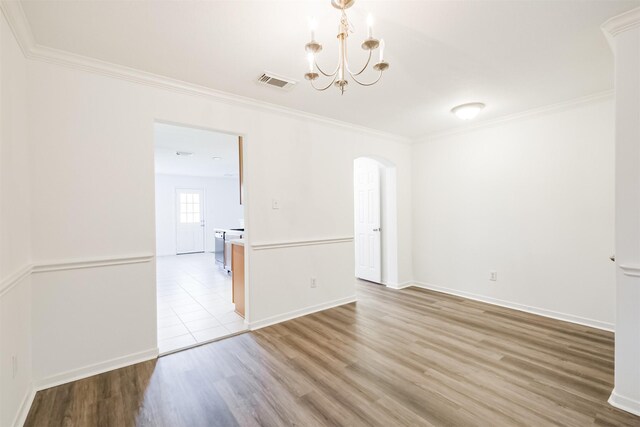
(194,301)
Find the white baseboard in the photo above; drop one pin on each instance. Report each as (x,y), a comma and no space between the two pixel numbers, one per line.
(95,369)
(521,307)
(624,403)
(23,411)
(398,285)
(299,313)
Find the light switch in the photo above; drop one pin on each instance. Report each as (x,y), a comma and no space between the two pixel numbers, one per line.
(275,204)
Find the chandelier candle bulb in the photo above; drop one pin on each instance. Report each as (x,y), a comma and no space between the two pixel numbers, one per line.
(381,50)
(370,26)
(313,26)
(311,61)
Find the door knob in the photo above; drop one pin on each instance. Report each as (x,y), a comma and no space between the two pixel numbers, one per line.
(377,229)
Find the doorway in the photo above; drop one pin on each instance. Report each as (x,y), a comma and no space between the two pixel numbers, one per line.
(375,221)
(198,207)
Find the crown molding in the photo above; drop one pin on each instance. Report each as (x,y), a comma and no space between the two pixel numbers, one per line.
(621,23)
(19,24)
(547,109)
(17,20)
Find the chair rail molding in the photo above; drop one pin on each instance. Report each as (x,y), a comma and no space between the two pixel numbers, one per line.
(630,270)
(75,264)
(19,275)
(14,278)
(295,243)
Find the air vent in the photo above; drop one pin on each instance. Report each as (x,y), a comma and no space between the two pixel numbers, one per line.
(274,80)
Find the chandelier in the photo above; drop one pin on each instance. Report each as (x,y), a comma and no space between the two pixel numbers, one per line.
(342,71)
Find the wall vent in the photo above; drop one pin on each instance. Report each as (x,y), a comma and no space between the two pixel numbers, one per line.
(270,79)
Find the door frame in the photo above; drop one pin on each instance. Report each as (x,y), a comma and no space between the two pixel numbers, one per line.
(176,212)
(246,203)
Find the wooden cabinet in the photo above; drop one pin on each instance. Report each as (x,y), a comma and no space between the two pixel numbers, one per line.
(237,271)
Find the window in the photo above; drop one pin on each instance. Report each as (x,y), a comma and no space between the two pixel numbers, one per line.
(189,208)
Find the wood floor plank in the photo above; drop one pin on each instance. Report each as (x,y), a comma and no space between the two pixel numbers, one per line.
(407,357)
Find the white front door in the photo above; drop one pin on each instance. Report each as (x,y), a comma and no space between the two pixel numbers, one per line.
(367,219)
(190,221)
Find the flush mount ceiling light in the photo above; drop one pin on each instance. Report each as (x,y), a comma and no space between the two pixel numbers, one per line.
(184,153)
(339,76)
(468,111)
(216,158)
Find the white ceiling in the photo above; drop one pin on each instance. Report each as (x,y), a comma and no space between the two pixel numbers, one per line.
(204,144)
(511,55)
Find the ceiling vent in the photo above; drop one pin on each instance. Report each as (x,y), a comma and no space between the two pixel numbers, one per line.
(270,79)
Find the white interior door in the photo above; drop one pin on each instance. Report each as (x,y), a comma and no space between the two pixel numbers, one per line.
(190,221)
(367,219)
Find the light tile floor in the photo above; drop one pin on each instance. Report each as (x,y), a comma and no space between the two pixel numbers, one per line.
(194,301)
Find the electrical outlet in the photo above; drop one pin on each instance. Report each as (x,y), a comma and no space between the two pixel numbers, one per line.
(493,276)
(314,284)
(14,366)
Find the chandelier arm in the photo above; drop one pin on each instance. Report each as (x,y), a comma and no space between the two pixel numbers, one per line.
(326,87)
(367,84)
(325,74)
(363,68)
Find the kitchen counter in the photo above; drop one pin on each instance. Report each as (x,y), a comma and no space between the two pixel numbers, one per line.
(229,230)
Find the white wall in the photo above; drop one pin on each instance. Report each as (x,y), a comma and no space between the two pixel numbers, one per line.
(87,319)
(93,196)
(531,199)
(623,32)
(222,208)
(15,230)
